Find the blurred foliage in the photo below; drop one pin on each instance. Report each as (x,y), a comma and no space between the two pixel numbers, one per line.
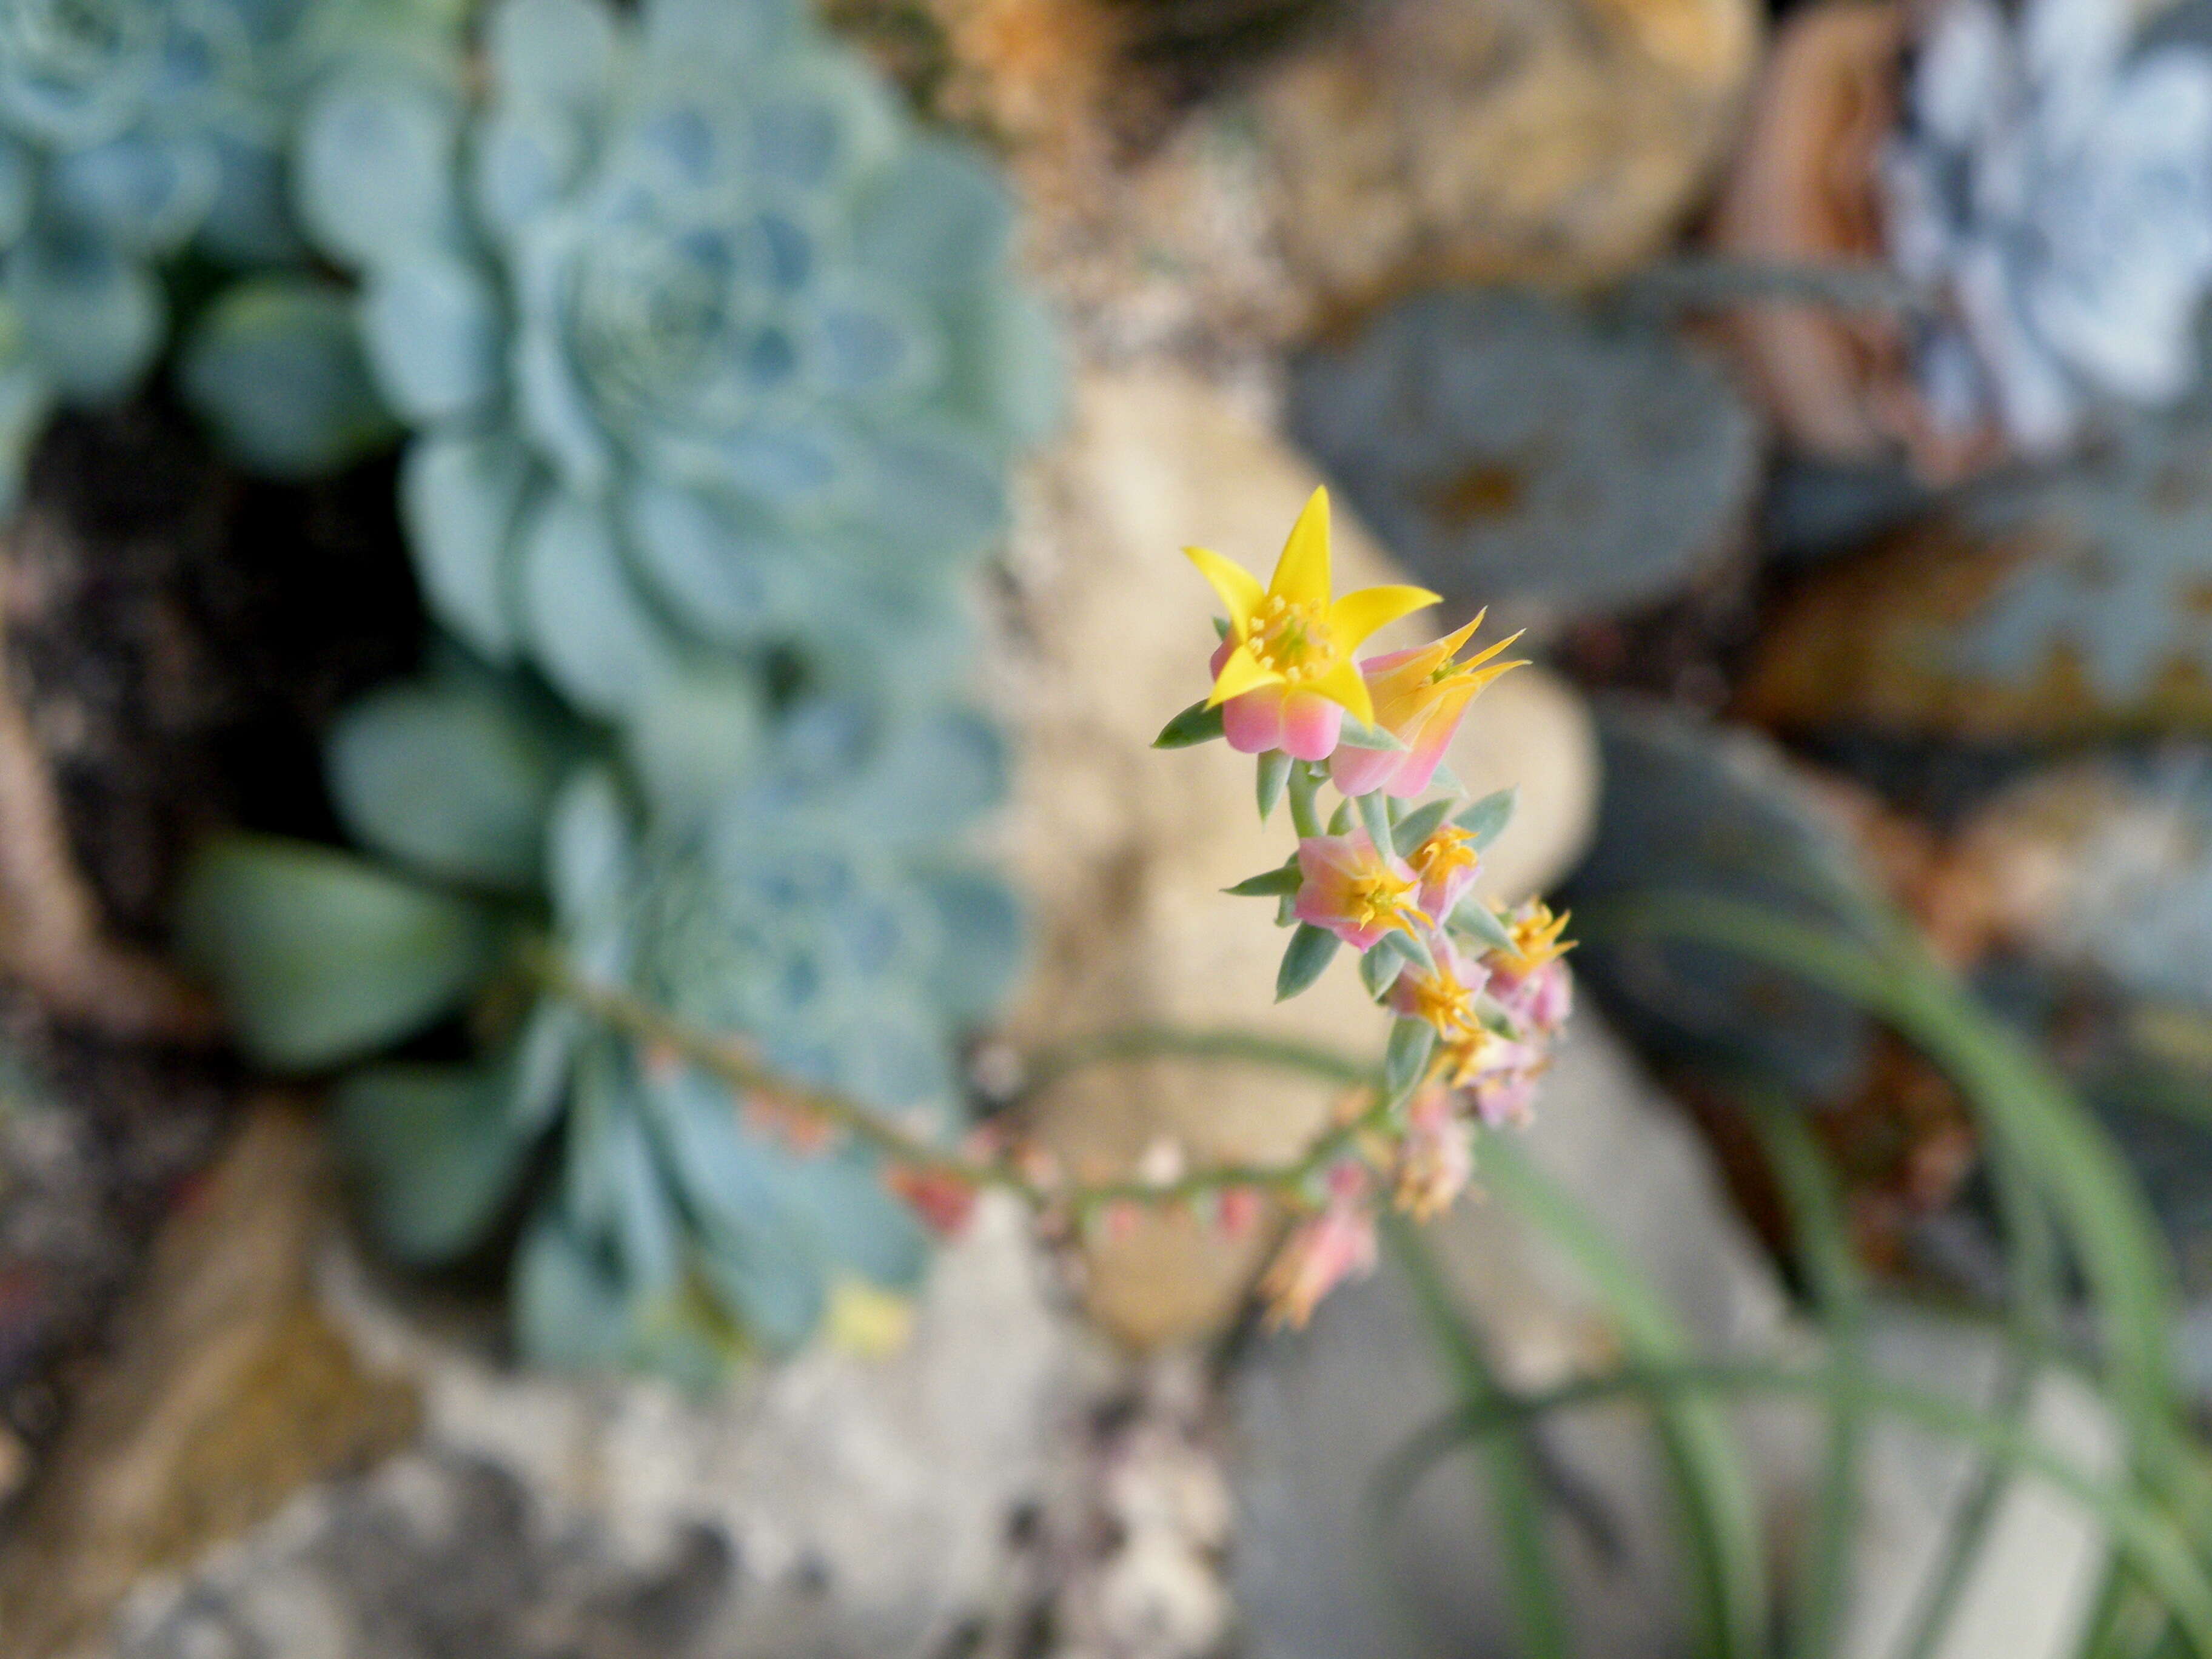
(714,366)
(133,131)
(2058,603)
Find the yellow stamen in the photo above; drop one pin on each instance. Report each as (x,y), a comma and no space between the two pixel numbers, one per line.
(1536,939)
(1448,849)
(1381,898)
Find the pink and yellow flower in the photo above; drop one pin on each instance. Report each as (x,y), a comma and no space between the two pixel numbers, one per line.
(1321,1252)
(1420,695)
(1539,1000)
(1284,677)
(1351,890)
(1537,937)
(1443,999)
(1436,1156)
(1498,1074)
(1446,864)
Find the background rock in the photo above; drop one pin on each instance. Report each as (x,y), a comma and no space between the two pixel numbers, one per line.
(228,1390)
(1500,139)
(831,1506)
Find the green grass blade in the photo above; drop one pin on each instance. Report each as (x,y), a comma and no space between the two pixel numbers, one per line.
(1839,1293)
(2155,1549)
(2068,1155)
(1539,1609)
(1721,1517)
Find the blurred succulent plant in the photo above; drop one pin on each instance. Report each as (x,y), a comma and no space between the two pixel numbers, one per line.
(705,346)
(1502,446)
(815,910)
(715,368)
(2053,183)
(131,130)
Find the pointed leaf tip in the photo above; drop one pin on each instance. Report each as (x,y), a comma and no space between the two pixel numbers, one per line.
(1199,723)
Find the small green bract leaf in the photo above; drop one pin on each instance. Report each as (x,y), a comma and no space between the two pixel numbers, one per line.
(1418,825)
(1273,772)
(1355,734)
(1406,1058)
(1310,952)
(1415,951)
(1196,724)
(1374,811)
(320,955)
(1270,884)
(1486,819)
(1379,970)
(1478,922)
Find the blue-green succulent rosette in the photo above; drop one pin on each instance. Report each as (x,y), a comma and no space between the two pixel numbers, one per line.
(132,130)
(820,911)
(704,346)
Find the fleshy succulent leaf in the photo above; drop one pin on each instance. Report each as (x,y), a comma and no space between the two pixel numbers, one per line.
(1310,950)
(321,956)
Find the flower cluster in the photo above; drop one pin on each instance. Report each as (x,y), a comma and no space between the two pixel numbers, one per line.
(1478,993)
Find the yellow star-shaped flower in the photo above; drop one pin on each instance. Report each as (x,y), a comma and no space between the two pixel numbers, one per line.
(1291,634)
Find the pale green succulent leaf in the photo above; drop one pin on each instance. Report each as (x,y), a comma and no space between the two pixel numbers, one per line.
(586,620)
(435,336)
(461,498)
(436,1153)
(452,776)
(320,955)
(275,367)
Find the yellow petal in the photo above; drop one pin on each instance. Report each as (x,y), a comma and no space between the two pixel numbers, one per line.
(1302,574)
(1481,657)
(1239,589)
(1240,673)
(1356,615)
(1451,642)
(1342,684)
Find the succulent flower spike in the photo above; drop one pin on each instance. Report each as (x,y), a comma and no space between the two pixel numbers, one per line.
(1285,676)
(1353,891)
(1420,695)
(1446,863)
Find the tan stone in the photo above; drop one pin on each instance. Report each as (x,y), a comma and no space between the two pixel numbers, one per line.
(1503,138)
(229,1390)
(1124,850)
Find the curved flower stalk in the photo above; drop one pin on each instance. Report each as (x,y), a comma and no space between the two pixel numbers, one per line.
(706,349)
(2053,183)
(131,130)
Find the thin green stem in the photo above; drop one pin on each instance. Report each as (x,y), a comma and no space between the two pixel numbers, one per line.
(736,1065)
